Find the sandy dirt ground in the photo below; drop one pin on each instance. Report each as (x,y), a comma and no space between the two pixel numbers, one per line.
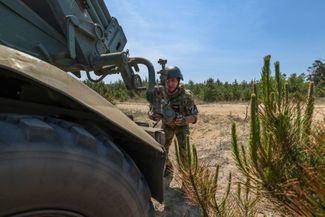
(211,135)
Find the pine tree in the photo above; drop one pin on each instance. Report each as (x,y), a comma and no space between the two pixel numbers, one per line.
(279,159)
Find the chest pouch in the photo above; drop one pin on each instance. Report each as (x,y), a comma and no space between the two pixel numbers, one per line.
(169,115)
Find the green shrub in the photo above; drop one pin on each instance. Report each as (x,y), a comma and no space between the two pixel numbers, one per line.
(285,155)
(200,185)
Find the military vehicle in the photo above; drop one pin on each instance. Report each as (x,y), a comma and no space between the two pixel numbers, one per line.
(64,150)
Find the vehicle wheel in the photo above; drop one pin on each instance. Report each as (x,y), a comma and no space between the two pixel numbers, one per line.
(51,167)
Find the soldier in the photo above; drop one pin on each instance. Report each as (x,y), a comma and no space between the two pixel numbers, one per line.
(180,102)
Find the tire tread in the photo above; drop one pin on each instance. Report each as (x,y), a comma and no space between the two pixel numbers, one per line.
(38,129)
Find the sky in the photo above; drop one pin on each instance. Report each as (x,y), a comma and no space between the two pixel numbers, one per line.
(223,39)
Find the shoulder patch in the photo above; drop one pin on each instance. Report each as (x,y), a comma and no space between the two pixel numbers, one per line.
(188,93)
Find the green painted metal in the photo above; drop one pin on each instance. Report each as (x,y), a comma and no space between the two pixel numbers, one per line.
(24,23)
(73,35)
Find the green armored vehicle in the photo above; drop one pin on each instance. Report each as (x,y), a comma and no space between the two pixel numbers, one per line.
(64,150)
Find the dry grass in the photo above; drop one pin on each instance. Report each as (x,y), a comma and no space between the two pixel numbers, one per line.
(212,137)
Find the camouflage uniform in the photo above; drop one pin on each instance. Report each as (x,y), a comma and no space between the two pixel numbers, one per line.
(182,103)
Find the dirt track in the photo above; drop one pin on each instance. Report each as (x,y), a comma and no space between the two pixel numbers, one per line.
(211,135)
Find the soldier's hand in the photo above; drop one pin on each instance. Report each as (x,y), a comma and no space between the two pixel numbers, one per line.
(155,117)
(181,121)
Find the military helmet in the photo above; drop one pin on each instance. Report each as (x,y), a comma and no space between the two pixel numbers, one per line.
(174,72)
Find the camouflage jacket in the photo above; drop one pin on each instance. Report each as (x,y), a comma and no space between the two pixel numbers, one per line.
(179,103)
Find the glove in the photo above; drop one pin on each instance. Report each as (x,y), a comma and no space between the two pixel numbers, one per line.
(180,120)
(154,116)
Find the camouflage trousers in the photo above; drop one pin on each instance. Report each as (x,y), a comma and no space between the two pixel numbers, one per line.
(181,133)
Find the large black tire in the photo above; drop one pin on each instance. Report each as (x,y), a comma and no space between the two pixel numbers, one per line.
(52,167)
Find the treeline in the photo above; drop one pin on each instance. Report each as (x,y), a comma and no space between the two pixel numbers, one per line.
(210,90)
(115,91)
(213,90)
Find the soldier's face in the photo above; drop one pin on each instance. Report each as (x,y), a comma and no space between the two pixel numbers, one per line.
(172,84)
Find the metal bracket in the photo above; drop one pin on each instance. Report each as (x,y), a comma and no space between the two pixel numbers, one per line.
(71,37)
